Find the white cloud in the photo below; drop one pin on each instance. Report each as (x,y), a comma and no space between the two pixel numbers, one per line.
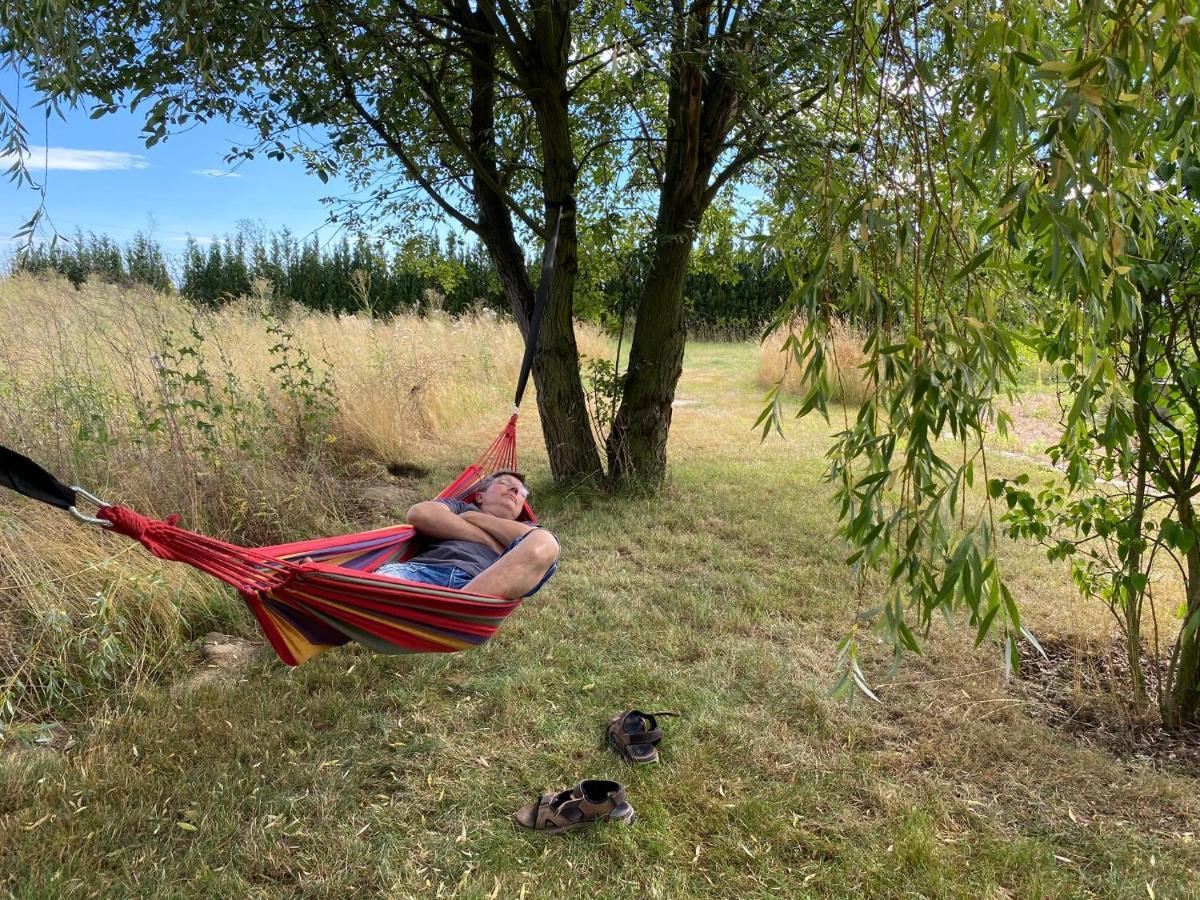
(73,160)
(214,173)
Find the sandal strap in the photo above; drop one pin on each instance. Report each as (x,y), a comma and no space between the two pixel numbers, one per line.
(625,738)
(643,737)
(651,734)
(549,812)
(573,805)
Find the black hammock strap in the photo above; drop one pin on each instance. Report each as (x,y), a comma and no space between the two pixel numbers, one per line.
(541,298)
(26,477)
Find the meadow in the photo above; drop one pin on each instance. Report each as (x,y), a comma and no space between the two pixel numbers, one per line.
(723,598)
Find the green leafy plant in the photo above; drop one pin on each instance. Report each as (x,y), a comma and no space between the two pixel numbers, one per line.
(188,408)
(311,403)
(603,384)
(999,178)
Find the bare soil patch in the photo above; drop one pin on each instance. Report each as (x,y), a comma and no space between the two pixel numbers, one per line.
(1084,691)
(225,656)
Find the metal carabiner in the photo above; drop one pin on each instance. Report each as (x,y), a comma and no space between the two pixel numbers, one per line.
(90,520)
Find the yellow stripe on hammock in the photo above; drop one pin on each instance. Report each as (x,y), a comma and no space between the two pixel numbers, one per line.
(322,604)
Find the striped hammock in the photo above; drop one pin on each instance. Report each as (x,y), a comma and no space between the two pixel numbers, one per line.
(312,595)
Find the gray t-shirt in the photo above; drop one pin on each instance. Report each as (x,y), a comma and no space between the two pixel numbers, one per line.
(469,556)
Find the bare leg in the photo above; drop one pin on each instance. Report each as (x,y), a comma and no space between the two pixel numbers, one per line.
(517,572)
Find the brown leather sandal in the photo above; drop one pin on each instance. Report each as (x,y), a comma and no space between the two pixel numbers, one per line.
(634,735)
(589,801)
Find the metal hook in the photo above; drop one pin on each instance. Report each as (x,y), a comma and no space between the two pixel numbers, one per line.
(90,520)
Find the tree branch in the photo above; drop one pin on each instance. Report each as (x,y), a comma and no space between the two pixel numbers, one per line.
(478,165)
(351,96)
(514,41)
(736,166)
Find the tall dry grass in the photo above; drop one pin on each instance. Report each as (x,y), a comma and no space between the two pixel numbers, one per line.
(849,381)
(252,422)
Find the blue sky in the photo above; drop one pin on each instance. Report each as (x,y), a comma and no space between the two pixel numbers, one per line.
(101,177)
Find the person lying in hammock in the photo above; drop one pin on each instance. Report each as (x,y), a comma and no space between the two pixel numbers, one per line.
(481,546)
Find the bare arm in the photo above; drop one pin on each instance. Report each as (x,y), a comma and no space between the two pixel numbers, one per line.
(504,531)
(436,520)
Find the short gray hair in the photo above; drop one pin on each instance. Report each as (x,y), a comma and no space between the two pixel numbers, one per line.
(487,482)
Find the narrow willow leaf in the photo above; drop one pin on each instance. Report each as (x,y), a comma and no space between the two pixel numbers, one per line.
(978,260)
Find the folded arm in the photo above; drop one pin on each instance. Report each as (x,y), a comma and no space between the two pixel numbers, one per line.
(435,520)
(504,531)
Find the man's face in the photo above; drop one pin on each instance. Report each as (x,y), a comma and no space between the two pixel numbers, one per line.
(504,497)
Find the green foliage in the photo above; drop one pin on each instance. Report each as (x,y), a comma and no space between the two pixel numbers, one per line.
(997,178)
(603,384)
(345,277)
(310,398)
(82,257)
(75,653)
(200,412)
(14,150)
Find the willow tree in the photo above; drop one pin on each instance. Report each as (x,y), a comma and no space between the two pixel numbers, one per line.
(1007,173)
(495,115)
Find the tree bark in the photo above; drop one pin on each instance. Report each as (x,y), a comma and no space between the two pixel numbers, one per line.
(637,444)
(1181,700)
(701,107)
(1142,392)
(561,404)
(574,457)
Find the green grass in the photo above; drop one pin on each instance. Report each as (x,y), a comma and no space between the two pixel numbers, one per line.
(381,776)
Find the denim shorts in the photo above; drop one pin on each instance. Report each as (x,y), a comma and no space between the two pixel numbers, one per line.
(451,576)
(442,576)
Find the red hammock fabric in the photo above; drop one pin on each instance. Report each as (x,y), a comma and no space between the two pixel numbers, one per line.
(307,607)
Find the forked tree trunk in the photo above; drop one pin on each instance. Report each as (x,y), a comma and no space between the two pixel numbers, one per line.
(702,105)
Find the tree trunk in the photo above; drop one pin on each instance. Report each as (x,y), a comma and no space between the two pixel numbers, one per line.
(561,404)
(637,444)
(1142,391)
(701,107)
(574,457)
(1181,699)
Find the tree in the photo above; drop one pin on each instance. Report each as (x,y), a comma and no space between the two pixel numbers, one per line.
(499,115)
(1002,175)
(145,264)
(1143,445)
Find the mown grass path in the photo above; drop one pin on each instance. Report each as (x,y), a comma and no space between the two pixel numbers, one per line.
(361,775)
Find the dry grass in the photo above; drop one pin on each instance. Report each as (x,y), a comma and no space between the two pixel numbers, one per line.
(848,381)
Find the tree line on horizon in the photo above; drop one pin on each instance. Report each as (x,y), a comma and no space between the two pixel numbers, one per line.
(731,291)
